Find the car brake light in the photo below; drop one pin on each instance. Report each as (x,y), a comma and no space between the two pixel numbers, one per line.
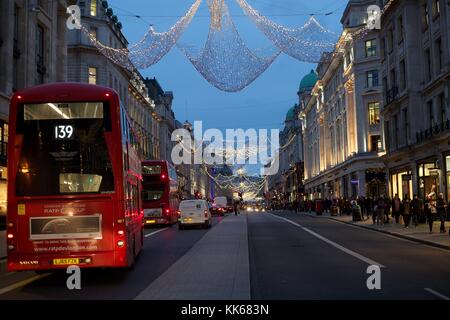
(206,213)
(163,176)
(167,211)
(179,213)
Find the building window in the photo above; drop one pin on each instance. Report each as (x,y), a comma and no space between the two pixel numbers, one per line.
(374,113)
(425,17)
(442,111)
(372,78)
(401,29)
(40,58)
(436,9)
(16,50)
(387,135)
(93,8)
(430,114)
(371,48)
(375,143)
(406,127)
(439,55)
(390,40)
(3,141)
(396,131)
(393,78)
(428,65)
(402,75)
(92,75)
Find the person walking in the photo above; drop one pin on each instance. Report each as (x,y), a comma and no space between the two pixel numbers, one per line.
(441,209)
(406,210)
(236,207)
(415,209)
(431,208)
(381,207)
(396,208)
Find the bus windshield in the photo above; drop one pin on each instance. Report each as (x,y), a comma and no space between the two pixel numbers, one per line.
(63,149)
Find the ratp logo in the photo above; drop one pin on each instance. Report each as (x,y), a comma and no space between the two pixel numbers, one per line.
(374,17)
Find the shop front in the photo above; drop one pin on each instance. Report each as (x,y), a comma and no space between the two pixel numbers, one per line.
(375,183)
(401,183)
(428,176)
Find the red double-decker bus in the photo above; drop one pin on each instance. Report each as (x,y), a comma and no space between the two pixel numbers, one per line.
(160,197)
(74,174)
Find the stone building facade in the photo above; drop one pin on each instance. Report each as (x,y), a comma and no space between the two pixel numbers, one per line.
(32,52)
(342,137)
(415,49)
(87,64)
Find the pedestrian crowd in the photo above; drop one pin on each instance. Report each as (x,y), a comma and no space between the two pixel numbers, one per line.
(407,212)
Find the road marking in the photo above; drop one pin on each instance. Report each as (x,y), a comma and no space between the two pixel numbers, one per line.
(440,295)
(22,283)
(334,244)
(155,232)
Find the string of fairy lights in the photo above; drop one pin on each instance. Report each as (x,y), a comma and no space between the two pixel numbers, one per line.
(239,180)
(225,61)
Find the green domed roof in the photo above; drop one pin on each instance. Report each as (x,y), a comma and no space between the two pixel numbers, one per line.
(290,115)
(308,81)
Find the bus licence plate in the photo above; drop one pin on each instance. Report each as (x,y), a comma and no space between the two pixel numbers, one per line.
(68,261)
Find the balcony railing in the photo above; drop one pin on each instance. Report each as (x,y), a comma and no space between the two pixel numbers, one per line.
(432,131)
(391,95)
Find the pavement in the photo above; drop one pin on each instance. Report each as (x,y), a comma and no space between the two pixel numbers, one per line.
(420,233)
(216,268)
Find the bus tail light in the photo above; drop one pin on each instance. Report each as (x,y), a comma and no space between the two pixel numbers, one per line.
(10,236)
(120,221)
(121,232)
(120,243)
(10,247)
(167,211)
(179,213)
(10,224)
(163,176)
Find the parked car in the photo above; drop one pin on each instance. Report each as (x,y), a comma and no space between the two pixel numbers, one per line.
(194,213)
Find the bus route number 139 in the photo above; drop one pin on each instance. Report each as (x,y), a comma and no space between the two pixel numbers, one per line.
(63,132)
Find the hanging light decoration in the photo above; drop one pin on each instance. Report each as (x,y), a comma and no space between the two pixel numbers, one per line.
(154,46)
(151,49)
(225,61)
(305,44)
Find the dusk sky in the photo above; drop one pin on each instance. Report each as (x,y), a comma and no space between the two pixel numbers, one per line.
(265,102)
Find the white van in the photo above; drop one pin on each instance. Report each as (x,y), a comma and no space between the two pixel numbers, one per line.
(221,202)
(194,212)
